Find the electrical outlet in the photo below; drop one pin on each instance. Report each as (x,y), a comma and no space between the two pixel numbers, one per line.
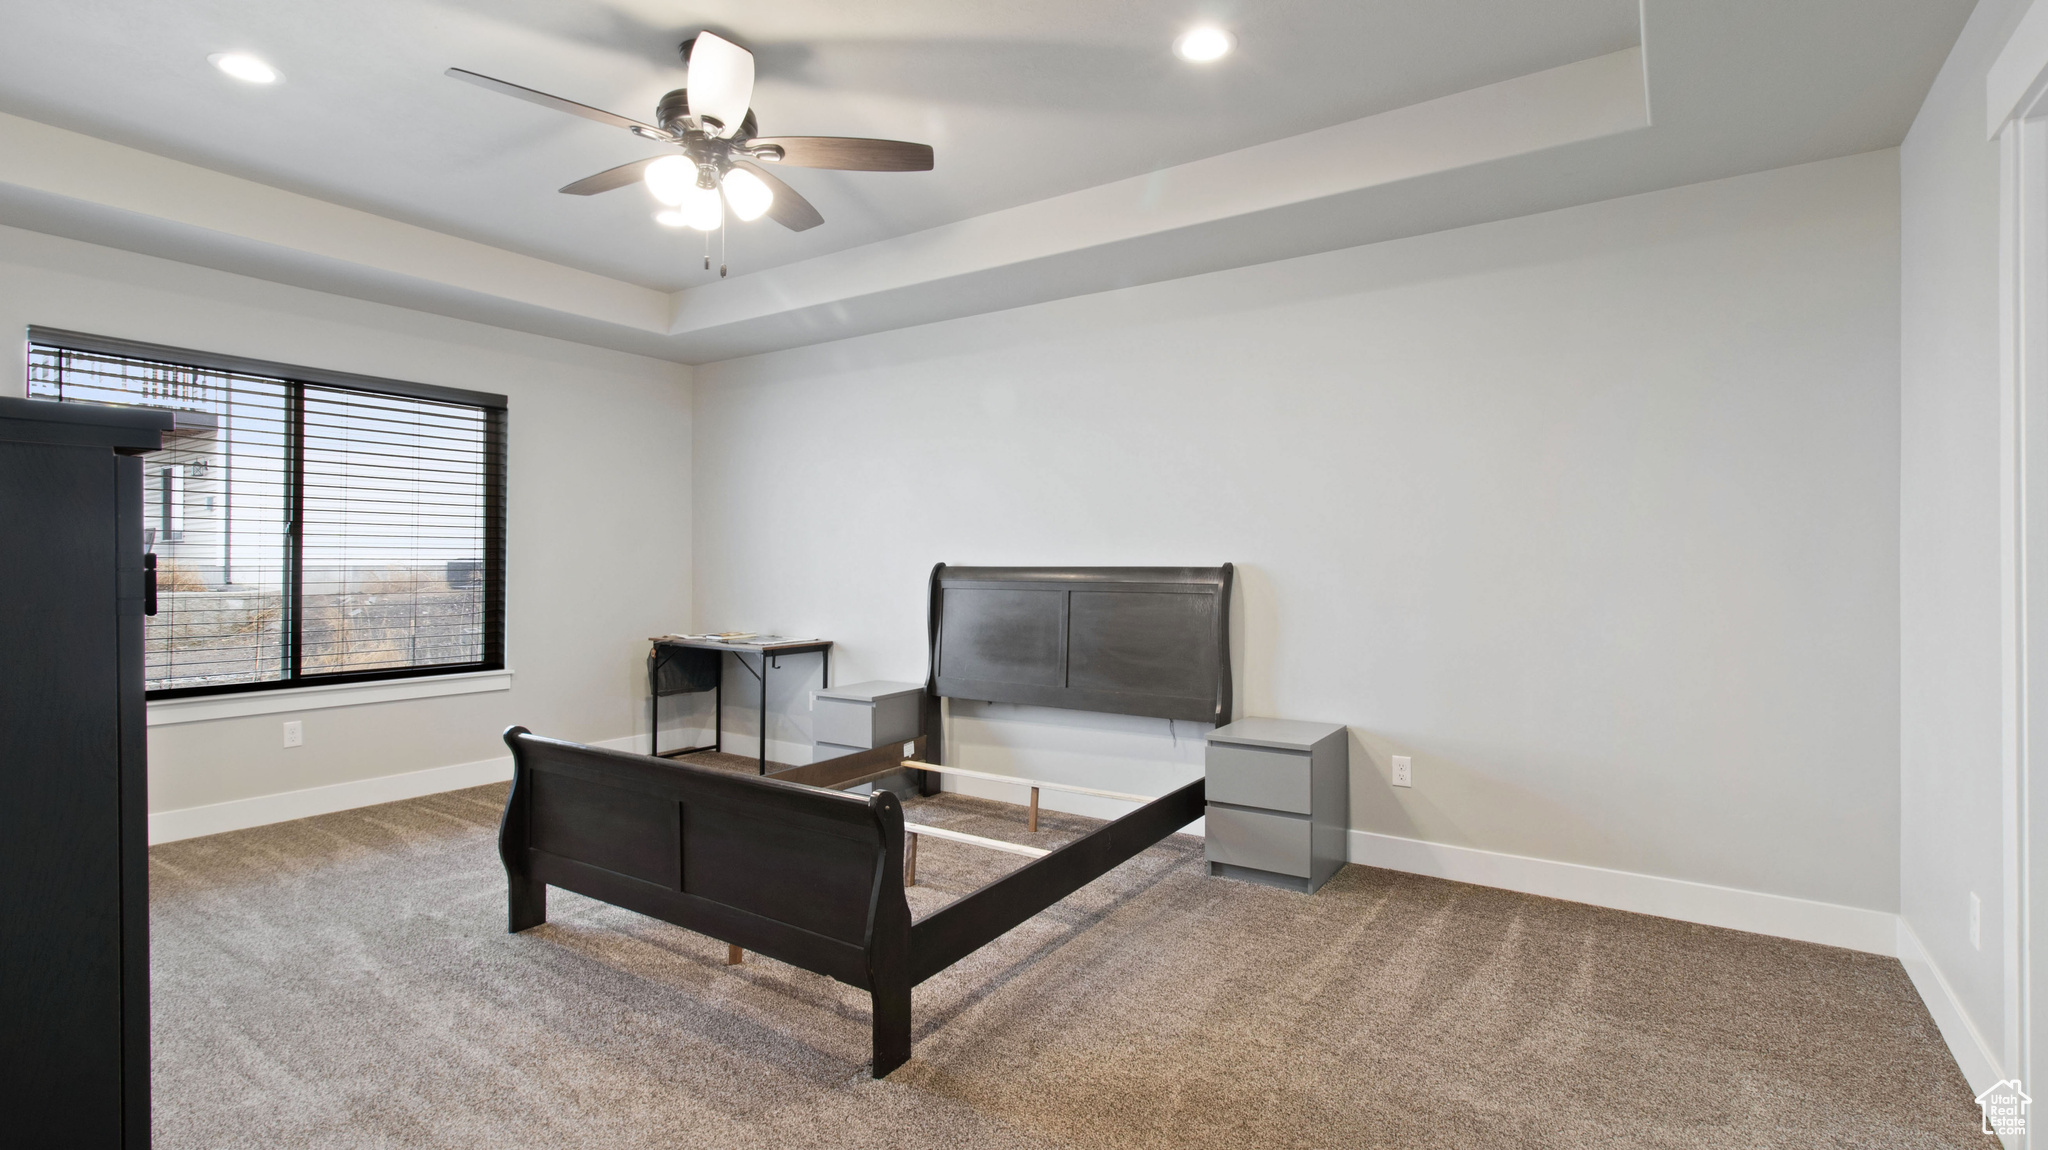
(1402,776)
(294,734)
(1976,921)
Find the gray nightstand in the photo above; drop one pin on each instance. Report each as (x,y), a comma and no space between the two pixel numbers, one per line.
(863,716)
(1279,801)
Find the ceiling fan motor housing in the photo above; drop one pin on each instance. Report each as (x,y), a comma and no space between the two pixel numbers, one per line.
(673,113)
(673,110)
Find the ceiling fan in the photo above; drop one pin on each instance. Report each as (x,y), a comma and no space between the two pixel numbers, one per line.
(720,163)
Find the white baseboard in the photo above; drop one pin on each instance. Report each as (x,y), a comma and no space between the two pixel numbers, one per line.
(1973,1055)
(262,810)
(795,754)
(745,746)
(1830,924)
(1852,928)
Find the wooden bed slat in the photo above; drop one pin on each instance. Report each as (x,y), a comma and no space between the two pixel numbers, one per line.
(975,840)
(1034,784)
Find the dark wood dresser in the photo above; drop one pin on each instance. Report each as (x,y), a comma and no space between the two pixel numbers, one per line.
(74,912)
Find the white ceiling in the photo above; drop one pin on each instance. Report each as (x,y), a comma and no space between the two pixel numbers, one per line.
(1021,101)
(1036,111)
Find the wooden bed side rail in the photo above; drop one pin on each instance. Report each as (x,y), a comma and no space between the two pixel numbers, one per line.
(811,877)
(857,768)
(957,930)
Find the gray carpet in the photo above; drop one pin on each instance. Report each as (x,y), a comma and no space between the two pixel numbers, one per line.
(346,981)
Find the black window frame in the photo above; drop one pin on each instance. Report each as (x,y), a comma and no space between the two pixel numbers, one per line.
(296,379)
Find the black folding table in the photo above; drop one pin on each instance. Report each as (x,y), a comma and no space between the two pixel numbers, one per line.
(679,666)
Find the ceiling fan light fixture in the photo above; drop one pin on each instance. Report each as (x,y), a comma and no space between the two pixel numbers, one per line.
(702,209)
(671,179)
(670,219)
(749,197)
(721,83)
(1204,45)
(244,67)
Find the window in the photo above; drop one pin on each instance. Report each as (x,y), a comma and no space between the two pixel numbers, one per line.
(309,527)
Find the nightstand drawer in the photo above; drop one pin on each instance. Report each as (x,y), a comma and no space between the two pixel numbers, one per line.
(846,723)
(1258,839)
(1258,777)
(865,715)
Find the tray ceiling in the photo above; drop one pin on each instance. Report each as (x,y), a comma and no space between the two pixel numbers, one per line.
(1075,152)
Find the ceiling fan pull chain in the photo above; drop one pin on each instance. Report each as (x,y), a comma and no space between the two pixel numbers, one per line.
(707,251)
(721,237)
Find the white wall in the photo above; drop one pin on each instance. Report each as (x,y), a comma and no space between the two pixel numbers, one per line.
(599,508)
(1949,533)
(1592,512)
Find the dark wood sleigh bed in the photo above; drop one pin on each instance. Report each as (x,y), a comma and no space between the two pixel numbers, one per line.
(791,867)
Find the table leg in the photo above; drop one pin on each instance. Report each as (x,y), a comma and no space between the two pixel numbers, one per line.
(764,712)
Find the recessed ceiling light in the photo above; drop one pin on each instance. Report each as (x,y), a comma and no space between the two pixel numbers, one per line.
(243,66)
(1201,45)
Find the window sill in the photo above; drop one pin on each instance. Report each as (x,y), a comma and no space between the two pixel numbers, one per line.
(165,712)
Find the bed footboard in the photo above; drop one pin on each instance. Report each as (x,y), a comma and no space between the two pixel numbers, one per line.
(811,877)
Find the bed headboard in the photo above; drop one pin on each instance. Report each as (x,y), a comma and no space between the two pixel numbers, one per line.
(1127,640)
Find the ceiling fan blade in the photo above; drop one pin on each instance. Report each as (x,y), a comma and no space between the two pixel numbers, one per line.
(610,178)
(790,210)
(848,154)
(555,102)
(721,82)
